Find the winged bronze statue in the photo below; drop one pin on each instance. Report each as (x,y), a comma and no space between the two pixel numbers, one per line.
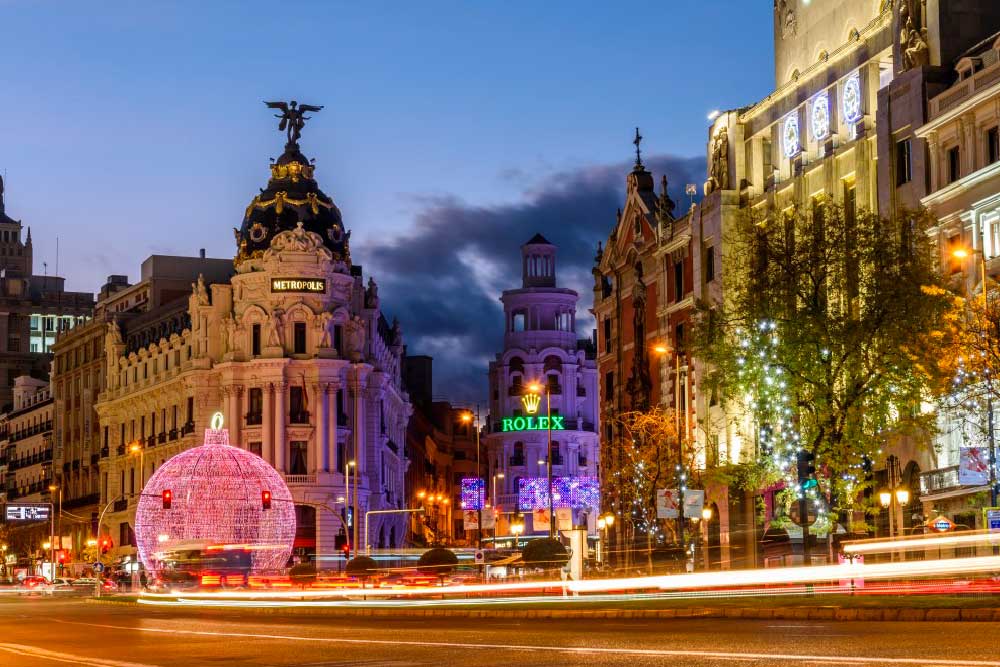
(293,117)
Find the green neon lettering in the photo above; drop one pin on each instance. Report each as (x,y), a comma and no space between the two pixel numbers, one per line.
(507,423)
(532,425)
(543,423)
(519,424)
(557,423)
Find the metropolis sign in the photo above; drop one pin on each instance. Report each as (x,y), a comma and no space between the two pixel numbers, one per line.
(312,285)
(32,512)
(531,423)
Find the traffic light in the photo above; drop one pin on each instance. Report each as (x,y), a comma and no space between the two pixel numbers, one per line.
(168,497)
(806,461)
(265,499)
(105,545)
(346,550)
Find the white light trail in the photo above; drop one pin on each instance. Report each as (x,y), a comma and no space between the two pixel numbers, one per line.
(698,580)
(965,539)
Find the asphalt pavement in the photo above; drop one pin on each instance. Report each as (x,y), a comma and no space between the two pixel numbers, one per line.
(47,632)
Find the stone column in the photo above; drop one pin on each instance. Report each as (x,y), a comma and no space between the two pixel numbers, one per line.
(280,418)
(331,427)
(235,418)
(321,432)
(267,426)
(932,151)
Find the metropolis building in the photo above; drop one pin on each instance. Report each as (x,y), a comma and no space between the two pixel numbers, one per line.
(296,353)
(541,346)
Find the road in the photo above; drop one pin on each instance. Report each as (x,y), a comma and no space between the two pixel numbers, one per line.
(39,632)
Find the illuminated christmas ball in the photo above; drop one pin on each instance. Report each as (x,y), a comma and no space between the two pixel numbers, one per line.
(216,495)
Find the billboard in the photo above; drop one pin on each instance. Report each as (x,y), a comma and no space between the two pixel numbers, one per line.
(973,466)
(473,493)
(576,492)
(28,512)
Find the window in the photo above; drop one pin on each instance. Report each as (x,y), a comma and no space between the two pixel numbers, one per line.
(518,322)
(13,344)
(256,405)
(607,335)
(709,264)
(679,337)
(299,335)
(299,461)
(678,281)
(255,340)
(993,144)
(609,384)
(954,169)
(903,167)
(338,333)
(296,404)
(190,410)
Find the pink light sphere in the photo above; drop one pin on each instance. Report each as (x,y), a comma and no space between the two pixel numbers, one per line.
(216,498)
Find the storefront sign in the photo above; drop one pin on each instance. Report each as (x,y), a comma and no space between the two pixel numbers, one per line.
(28,512)
(312,285)
(530,423)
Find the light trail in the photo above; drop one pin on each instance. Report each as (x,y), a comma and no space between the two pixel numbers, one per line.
(965,539)
(676,582)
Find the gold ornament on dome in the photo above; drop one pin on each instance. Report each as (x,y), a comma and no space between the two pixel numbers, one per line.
(293,170)
(257,232)
(281,199)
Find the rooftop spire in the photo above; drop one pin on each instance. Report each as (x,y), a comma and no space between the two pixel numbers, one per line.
(638,151)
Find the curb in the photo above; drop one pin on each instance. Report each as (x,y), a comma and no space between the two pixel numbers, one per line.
(987,614)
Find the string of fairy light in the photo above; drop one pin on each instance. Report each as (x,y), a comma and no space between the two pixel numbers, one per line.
(761,375)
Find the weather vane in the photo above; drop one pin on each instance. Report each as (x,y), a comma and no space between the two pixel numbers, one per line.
(293,117)
(638,152)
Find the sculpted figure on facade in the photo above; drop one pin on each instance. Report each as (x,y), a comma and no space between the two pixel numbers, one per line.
(115,332)
(397,333)
(371,294)
(720,159)
(786,16)
(354,338)
(230,329)
(324,323)
(199,290)
(275,328)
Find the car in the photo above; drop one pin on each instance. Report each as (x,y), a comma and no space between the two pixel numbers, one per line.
(88,583)
(61,584)
(34,582)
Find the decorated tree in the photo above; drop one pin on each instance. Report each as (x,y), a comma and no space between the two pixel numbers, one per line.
(650,459)
(824,342)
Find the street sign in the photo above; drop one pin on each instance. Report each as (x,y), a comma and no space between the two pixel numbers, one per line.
(28,512)
(480,556)
(942,524)
(991,519)
(98,567)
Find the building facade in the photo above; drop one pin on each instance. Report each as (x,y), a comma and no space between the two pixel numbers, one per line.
(961,137)
(541,346)
(28,448)
(294,350)
(33,309)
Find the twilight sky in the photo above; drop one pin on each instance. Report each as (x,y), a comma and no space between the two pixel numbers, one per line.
(452,133)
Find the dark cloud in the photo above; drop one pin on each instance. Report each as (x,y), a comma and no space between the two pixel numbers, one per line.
(443,280)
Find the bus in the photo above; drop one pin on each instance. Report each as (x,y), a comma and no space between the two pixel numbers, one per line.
(202,565)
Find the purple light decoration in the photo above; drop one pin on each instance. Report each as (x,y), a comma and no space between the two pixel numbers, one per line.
(473,493)
(217,500)
(576,492)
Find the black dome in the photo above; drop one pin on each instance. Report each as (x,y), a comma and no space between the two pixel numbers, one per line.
(291,197)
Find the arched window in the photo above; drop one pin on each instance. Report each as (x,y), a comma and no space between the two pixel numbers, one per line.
(518,321)
(516,365)
(553,363)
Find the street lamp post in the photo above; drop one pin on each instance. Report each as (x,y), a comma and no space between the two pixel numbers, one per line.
(962,253)
(536,388)
(347,508)
(52,533)
(469,418)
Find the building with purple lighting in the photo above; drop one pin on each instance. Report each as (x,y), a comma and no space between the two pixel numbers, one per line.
(541,346)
